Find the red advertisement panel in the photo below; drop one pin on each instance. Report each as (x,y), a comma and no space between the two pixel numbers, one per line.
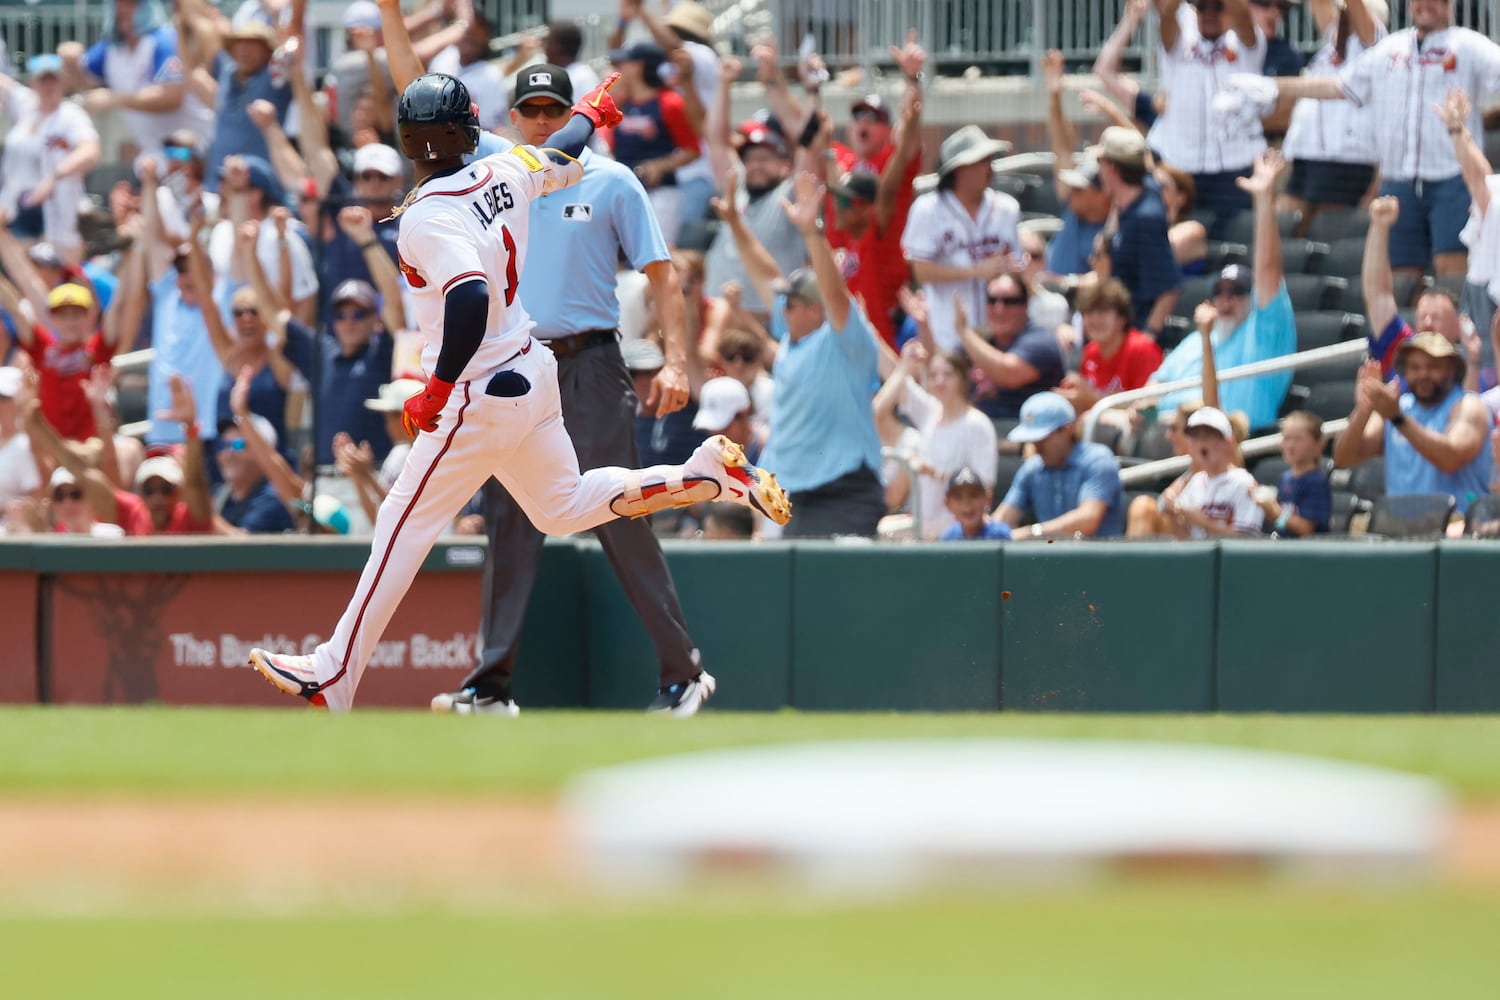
(183,639)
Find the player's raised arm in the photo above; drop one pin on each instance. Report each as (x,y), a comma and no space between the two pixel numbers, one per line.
(594,111)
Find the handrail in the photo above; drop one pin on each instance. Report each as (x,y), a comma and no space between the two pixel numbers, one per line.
(1178,464)
(1155,390)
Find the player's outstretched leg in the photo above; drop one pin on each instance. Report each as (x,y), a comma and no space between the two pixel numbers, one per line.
(723,461)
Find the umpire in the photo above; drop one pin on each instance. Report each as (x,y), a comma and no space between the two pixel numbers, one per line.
(581,233)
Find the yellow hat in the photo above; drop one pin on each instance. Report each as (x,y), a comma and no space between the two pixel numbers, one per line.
(69,294)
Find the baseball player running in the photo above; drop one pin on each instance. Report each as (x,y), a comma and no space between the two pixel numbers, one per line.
(577,314)
(491,406)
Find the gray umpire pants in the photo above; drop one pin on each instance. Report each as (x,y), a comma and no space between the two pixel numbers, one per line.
(598,405)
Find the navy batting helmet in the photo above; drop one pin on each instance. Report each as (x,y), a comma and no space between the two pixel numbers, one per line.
(436,119)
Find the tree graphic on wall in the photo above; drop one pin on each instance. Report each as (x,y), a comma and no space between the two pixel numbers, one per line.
(126,612)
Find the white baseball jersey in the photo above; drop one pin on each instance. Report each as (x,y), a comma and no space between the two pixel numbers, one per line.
(940,230)
(1335,131)
(1401,79)
(472,225)
(1228,497)
(1192,72)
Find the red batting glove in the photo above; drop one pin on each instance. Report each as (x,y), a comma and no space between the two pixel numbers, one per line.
(420,411)
(598,107)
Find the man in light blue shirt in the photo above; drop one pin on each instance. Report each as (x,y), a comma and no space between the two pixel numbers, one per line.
(823,441)
(179,337)
(1249,323)
(577,236)
(1070,488)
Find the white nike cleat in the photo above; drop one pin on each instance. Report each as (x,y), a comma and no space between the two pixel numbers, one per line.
(290,674)
(723,461)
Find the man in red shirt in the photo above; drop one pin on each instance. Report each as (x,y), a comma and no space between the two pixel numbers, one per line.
(1117,356)
(65,346)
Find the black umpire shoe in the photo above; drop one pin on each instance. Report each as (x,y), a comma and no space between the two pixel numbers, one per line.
(470,702)
(684,698)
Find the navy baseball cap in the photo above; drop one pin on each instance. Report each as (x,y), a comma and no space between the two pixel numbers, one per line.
(543,80)
(965,479)
(1237,276)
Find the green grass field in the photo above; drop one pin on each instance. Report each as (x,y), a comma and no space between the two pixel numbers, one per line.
(1227,938)
(228,751)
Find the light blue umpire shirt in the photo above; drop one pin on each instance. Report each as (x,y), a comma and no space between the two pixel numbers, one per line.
(822,422)
(579,231)
(568,284)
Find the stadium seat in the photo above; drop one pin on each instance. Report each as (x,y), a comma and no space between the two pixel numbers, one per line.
(1483,518)
(1299,256)
(1268,469)
(1320,329)
(1194,291)
(1344,259)
(1238,228)
(1330,400)
(1152,443)
(1288,222)
(1367,479)
(1411,515)
(1311,292)
(1172,332)
(1222,254)
(99,181)
(1041,198)
(1343,508)
(1006,467)
(1335,224)
(1452,283)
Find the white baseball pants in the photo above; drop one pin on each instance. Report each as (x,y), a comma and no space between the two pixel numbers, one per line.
(522,442)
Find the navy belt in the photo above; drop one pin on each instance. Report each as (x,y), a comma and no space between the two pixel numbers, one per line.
(577,343)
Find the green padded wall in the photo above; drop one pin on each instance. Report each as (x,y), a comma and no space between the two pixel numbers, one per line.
(736,598)
(551,669)
(1347,627)
(1468,629)
(1109,627)
(912,628)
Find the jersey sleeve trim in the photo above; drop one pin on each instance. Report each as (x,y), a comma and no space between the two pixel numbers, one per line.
(459,279)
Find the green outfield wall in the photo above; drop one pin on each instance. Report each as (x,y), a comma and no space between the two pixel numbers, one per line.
(1336,626)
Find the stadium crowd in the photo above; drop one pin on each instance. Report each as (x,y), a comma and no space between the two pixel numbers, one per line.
(912,353)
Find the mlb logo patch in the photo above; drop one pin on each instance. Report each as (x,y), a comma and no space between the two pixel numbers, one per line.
(540,79)
(578,213)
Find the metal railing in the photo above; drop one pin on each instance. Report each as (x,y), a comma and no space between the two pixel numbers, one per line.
(1302,359)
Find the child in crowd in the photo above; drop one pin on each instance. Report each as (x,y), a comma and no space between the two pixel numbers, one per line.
(1303,503)
(968,500)
(1219,501)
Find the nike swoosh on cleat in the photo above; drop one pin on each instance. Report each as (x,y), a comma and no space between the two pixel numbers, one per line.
(737,493)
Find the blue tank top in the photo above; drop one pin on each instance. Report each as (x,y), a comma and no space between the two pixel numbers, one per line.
(1406,471)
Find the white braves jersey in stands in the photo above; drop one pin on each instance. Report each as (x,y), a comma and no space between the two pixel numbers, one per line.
(1186,135)
(1401,79)
(472,225)
(941,231)
(1336,131)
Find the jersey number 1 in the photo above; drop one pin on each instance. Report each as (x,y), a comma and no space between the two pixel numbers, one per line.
(511,278)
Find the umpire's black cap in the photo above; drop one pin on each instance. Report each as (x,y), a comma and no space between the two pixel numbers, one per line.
(543,80)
